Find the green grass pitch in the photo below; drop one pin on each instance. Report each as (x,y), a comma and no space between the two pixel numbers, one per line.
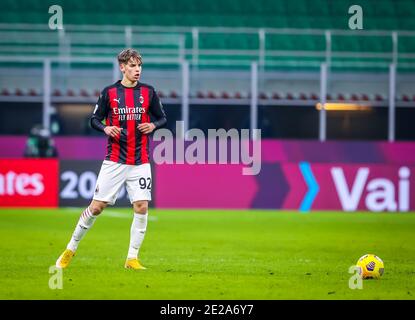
(208,254)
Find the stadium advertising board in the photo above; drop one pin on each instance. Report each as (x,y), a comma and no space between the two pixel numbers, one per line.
(77,183)
(29,183)
(297,186)
(296,175)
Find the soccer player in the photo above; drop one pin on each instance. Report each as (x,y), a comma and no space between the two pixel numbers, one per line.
(126,107)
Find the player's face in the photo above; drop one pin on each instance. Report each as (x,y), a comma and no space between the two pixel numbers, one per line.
(132,70)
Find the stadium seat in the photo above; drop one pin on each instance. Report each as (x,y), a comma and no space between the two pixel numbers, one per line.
(384,9)
(344,43)
(384,23)
(211,41)
(274,8)
(300,21)
(338,8)
(405,8)
(11,5)
(279,21)
(406,24)
(296,8)
(406,44)
(254,7)
(317,8)
(372,44)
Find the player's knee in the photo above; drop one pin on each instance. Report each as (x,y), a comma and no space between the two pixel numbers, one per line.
(97,207)
(141,207)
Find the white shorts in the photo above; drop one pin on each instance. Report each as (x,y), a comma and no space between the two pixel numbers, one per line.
(112,177)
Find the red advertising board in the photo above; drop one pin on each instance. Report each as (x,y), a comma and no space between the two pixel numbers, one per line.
(29,183)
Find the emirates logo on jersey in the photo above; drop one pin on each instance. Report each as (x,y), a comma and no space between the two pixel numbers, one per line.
(129,110)
(129,113)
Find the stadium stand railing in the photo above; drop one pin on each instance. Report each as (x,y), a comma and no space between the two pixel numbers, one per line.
(214,48)
(215,54)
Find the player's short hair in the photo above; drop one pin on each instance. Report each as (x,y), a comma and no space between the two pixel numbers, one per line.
(125,56)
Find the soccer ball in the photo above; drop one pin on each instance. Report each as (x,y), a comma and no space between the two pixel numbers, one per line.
(370,266)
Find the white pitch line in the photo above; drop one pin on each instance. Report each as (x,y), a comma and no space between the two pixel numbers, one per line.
(117,214)
(108,213)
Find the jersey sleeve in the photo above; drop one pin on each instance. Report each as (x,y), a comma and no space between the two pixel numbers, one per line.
(157,111)
(100,112)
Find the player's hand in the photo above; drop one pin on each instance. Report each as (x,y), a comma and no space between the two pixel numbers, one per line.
(146,128)
(112,131)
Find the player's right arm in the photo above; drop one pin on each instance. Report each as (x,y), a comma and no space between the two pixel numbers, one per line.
(100,113)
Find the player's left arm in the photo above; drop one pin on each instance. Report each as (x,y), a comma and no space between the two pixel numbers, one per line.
(157,111)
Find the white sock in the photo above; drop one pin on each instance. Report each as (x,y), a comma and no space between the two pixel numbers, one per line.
(138,230)
(85,222)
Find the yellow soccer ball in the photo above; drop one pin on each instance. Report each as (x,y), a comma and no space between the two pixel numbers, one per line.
(370,266)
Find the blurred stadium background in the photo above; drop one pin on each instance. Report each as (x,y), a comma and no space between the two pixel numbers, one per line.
(219,41)
(267,64)
(218,64)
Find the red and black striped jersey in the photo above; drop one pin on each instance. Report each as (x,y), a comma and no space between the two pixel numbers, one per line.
(127,107)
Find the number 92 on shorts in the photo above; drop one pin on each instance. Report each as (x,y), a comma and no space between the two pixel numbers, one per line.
(113,175)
